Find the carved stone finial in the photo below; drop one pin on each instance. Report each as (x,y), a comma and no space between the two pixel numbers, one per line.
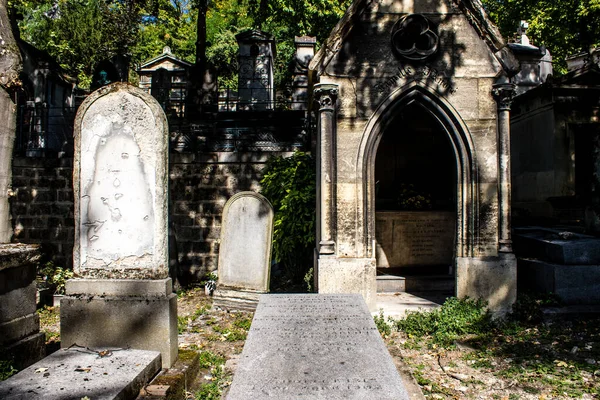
(504,94)
(326,95)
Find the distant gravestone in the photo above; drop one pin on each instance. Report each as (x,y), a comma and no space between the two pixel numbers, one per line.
(245,251)
(315,347)
(123,296)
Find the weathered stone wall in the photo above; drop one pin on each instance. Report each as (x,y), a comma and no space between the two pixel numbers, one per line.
(42,206)
(200,185)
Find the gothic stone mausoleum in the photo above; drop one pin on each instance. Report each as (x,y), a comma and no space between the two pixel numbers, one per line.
(413,102)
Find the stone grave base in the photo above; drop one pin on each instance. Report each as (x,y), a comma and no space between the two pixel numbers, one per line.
(78,372)
(235,299)
(26,351)
(574,284)
(20,339)
(490,278)
(137,314)
(348,275)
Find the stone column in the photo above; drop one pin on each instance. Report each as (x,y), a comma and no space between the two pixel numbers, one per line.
(504,94)
(326,96)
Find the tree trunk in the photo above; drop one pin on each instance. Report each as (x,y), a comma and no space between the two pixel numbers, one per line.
(201,34)
(10,68)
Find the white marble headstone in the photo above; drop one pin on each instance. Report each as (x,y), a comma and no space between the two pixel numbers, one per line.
(246,236)
(120,182)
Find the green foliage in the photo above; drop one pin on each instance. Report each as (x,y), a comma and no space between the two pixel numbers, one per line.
(209,360)
(289,183)
(528,307)
(565,27)
(55,277)
(456,317)
(81,33)
(213,389)
(243,322)
(308,280)
(384,328)
(7,369)
(182,323)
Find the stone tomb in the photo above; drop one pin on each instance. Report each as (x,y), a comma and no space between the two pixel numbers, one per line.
(245,251)
(78,373)
(123,296)
(20,337)
(315,347)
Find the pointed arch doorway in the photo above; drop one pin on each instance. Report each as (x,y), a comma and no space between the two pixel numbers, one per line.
(420,192)
(415,204)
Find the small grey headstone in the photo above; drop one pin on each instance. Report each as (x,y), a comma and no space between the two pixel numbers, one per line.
(315,347)
(245,250)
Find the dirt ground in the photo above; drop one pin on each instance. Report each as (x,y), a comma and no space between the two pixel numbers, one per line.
(461,373)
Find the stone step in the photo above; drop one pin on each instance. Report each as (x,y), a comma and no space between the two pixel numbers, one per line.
(415,283)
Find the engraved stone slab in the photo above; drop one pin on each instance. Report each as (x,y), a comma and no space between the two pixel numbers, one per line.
(120,182)
(407,238)
(245,250)
(315,347)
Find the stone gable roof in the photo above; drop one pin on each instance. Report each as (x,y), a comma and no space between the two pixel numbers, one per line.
(166,55)
(471,9)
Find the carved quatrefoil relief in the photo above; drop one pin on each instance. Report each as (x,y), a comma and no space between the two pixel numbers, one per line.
(413,39)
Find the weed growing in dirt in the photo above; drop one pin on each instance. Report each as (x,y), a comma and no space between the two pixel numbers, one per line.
(243,322)
(382,325)
(49,320)
(214,363)
(456,317)
(559,359)
(182,323)
(7,369)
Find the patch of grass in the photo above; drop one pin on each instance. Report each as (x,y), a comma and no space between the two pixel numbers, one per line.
(211,390)
(242,322)
(48,316)
(455,318)
(230,334)
(208,359)
(182,323)
(200,311)
(49,319)
(213,337)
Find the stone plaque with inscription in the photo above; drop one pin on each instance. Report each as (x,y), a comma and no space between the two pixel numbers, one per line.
(406,238)
(315,347)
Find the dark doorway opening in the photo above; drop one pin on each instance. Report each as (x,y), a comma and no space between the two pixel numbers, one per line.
(416,203)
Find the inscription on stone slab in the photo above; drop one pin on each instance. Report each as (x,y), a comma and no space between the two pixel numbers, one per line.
(315,347)
(121,202)
(245,250)
(415,238)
